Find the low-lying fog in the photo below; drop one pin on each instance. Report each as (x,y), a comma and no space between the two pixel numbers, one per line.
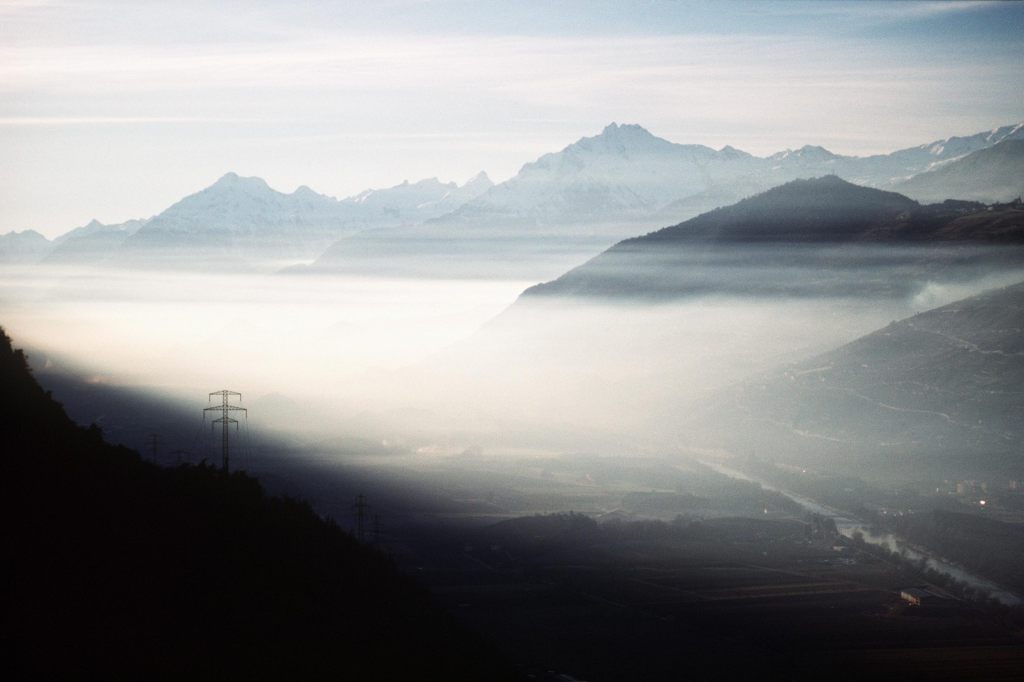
(436,366)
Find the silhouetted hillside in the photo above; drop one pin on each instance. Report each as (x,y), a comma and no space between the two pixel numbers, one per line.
(116,568)
(815,237)
(826,209)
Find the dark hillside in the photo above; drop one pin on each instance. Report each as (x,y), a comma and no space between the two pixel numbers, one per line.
(825,209)
(117,568)
(817,237)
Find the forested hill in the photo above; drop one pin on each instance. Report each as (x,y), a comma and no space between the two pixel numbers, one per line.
(822,236)
(117,568)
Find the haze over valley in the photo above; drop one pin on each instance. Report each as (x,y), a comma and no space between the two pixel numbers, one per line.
(708,360)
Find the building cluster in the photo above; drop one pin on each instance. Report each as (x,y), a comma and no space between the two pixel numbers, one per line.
(981,493)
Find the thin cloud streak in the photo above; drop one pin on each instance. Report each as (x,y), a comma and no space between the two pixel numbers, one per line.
(886,11)
(572,67)
(15,121)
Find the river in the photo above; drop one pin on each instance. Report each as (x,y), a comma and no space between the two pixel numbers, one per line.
(848,526)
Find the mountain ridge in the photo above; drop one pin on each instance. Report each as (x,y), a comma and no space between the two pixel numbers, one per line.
(696,169)
(823,216)
(589,195)
(990,175)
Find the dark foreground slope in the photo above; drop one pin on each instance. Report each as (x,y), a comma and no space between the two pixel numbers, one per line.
(939,392)
(116,568)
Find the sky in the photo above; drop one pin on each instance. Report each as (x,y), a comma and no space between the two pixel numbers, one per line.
(114,110)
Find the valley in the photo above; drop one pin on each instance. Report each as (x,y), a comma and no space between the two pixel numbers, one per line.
(616,439)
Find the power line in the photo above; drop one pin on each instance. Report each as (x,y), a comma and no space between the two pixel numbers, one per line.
(178,455)
(360,506)
(225,409)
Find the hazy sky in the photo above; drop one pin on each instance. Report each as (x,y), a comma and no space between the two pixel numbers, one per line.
(114,110)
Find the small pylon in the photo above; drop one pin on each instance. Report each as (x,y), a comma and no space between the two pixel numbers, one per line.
(360,506)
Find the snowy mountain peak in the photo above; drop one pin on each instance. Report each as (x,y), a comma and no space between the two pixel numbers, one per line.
(812,151)
(625,130)
(481,180)
(955,147)
(617,140)
(626,134)
(234,182)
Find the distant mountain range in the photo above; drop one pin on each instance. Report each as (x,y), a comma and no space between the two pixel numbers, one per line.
(577,201)
(927,389)
(601,189)
(239,220)
(626,174)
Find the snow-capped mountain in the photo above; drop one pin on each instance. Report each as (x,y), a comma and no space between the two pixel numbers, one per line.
(887,171)
(622,182)
(934,153)
(569,203)
(238,220)
(415,202)
(623,174)
(244,206)
(994,174)
(626,174)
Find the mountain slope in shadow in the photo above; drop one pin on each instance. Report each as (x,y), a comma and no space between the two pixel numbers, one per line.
(939,391)
(117,568)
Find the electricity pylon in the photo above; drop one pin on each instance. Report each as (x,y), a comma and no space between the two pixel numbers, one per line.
(225,408)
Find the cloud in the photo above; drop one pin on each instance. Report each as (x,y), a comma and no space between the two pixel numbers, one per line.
(881,11)
(15,121)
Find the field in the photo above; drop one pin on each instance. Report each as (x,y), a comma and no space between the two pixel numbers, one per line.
(718,599)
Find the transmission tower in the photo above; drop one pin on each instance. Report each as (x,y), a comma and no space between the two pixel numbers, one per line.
(154,441)
(360,506)
(225,408)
